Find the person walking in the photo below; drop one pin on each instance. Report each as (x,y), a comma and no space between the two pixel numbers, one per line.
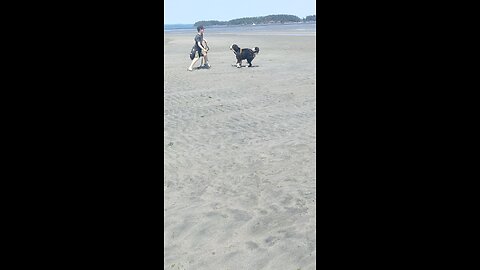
(200,49)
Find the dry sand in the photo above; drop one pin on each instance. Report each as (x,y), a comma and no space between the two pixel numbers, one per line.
(239,151)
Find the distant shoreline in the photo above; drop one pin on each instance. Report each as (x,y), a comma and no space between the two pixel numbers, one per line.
(291,29)
(191,26)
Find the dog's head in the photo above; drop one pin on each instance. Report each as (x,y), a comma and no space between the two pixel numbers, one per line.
(235,48)
(256,50)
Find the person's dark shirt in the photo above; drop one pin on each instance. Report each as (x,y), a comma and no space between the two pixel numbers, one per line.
(198,38)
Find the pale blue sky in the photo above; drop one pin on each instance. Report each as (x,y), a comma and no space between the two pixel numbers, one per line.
(190,11)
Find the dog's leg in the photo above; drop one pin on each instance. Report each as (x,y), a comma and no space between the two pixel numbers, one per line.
(239,63)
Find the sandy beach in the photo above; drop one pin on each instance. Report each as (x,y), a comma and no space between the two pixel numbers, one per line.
(240,152)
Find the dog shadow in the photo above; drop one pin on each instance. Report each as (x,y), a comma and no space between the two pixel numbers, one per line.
(234,65)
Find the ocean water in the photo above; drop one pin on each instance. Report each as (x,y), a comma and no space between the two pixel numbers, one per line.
(285,29)
(178,27)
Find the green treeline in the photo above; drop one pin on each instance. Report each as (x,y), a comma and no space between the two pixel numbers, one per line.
(282,18)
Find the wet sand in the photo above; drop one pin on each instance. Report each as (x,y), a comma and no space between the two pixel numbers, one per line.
(239,151)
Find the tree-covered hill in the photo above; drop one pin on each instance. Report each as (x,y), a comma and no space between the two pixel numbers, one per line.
(282,18)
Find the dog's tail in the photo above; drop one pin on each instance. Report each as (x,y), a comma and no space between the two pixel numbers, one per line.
(256,50)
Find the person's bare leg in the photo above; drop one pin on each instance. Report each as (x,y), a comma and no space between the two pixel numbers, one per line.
(205,60)
(193,63)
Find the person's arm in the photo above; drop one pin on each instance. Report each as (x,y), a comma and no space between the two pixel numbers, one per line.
(206,44)
(204,50)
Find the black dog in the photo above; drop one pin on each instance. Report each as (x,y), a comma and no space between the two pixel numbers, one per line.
(242,54)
